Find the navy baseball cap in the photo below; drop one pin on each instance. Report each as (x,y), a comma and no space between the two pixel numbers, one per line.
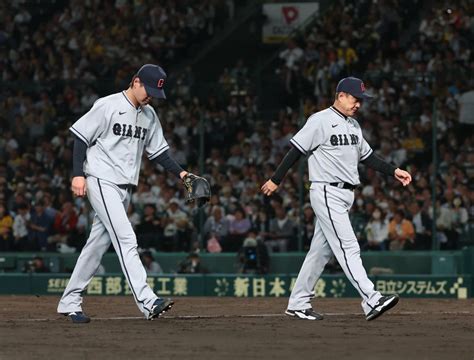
(353,86)
(153,78)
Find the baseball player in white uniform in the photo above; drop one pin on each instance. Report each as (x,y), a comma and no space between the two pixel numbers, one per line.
(108,147)
(333,142)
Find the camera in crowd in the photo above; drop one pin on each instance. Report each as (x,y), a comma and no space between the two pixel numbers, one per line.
(253,256)
(36,265)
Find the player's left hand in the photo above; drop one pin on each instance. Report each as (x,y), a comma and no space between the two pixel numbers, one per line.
(403,176)
(197,189)
(269,187)
(79,186)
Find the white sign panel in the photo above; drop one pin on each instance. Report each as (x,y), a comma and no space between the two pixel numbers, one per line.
(283,18)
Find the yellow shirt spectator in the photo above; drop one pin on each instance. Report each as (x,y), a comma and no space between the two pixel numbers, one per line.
(6,223)
(347,53)
(401,231)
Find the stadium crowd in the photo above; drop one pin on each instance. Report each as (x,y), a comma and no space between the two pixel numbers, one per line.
(434,67)
(91,40)
(38,213)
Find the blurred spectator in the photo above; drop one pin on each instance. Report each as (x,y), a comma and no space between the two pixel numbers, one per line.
(64,225)
(213,245)
(376,231)
(422,223)
(39,227)
(460,215)
(144,195)
(443,225)
(262,222)
(20,229)
(282,231)
(6,233)
(150,229)
(150,264)
(347,55)
(36,265)
(401,232)
(192,265)
(177,231)
(236,160)
(360,216)
(133,216)
(292,55)
(84,222)
(466,108)
(309,220)
(217,226)
(239,225)
(452,217)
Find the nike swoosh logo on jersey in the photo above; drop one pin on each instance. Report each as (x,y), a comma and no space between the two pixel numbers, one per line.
(334,125)
(122,112)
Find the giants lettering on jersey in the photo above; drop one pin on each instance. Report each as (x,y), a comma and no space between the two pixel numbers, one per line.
(128,131)
(343,139)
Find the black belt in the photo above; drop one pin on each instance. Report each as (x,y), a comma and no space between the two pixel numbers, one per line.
(343,185)
(126,186)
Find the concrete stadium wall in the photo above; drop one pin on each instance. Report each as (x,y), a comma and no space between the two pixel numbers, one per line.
(396,262)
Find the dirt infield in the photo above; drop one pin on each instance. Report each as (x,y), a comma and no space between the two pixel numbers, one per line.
(230,328)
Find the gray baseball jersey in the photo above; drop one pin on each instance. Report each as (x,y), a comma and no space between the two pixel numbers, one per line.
(335,146)
(116,133)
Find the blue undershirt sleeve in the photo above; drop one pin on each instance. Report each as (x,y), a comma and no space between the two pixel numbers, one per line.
(288,161)
(78,157)
(170,164)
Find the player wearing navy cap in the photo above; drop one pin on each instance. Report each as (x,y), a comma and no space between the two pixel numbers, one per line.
(109,141)
(332,141)
(153,79)
(354,87)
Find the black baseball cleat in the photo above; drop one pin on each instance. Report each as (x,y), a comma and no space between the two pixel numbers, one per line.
(78,317)
(385,303)
(306,314)
(160,306)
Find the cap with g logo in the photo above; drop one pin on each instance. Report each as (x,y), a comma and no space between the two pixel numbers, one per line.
(353,86)
(153,78)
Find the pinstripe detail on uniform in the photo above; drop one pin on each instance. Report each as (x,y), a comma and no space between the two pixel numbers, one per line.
(79,135)
(366,155)
(159,152)
(338,113)
(340,243)
(298,146)
(128,100)
(313,150)
(119,247)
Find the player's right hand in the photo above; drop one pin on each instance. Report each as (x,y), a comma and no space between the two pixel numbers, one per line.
(78,186)
(403,176)
(269,188)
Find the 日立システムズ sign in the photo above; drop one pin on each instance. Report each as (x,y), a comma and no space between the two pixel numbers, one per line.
(244,285)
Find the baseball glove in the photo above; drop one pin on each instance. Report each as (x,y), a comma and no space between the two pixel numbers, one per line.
(197,189)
